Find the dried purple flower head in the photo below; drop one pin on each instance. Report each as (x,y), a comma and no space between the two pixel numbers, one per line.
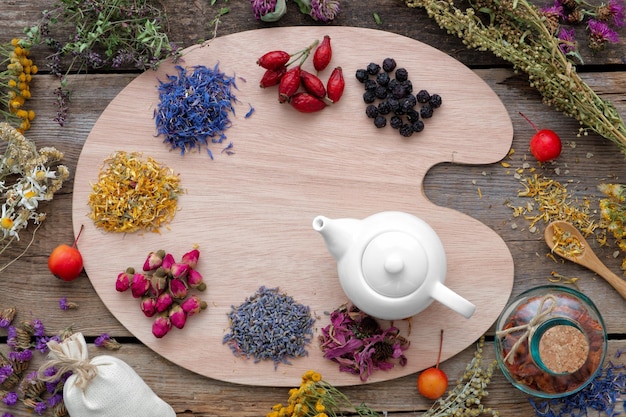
(324,10)
(262,7)
(10,398)
(359,345)
(107,342)
(567,38)
(67,305)
(612,12)
(6,317)
(600,34)
(5,372)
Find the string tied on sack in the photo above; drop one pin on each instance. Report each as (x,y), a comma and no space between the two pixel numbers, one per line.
(71,356)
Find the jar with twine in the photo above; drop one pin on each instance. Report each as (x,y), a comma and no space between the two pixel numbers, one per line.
(550,341)
(104,386)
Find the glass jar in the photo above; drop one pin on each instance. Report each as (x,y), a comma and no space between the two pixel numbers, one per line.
(550,341)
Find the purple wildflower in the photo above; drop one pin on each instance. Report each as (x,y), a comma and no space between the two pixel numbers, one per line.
(324,10)
(555,10)
(12,337)
(6,317)
(40,407)
(102,339)
(21,355)
(614,12)
(38,328)
(10,398)
(262,7)
(7,415)
(567,40)
(5,372)
(55,399)
(600,34)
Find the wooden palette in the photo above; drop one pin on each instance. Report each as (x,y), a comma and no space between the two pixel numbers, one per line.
(251,212)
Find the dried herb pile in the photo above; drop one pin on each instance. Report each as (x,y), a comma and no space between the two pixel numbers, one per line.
(194,108)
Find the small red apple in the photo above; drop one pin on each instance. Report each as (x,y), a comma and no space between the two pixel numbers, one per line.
(433,382)
(545,145)
(66,262)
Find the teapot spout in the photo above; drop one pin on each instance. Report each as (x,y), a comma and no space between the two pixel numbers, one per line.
(338,234)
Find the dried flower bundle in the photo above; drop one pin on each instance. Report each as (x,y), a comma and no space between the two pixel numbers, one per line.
(318,398)
(15,82)
(27,178)
(517,31)
(465,399)
(103,34)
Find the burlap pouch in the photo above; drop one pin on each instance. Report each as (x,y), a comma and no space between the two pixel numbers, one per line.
(104,386)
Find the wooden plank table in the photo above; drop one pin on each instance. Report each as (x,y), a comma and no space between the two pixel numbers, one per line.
(482,192)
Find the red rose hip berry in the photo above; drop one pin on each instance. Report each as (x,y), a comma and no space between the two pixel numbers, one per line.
(306,102)
(273,59)
(323,54)
(65,262)
(335,85)
(312,84)
(289,84)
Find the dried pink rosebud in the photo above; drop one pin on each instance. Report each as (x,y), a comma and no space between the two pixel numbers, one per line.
(177,316)
(168,261)
(193,305)
(139,285)
(158,284)
(148,306)
(161,326)
(154,260)
(178,289)
(179,270)
(164,301)
(122,283)
(195,280)
(191,258)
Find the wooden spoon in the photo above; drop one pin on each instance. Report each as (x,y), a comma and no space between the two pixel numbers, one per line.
(587,258)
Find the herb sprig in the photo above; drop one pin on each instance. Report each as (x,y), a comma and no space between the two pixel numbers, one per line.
(517,31)
(106,34)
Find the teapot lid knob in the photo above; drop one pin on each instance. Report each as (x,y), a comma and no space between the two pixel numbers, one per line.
(394,264)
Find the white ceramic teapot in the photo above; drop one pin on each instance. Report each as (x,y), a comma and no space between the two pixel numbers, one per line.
(391,265)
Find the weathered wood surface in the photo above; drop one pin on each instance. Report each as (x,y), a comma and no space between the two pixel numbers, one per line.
(585,163)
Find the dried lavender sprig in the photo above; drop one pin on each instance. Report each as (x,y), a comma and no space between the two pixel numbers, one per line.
(518,33)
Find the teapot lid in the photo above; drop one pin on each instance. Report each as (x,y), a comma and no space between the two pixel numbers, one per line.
(394,264)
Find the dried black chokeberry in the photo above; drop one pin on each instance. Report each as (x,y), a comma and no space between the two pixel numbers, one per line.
(406,130)
(373,68)
(384,107)
(369,97)
(370,85)
(389,64)
(422,96)
(371,111)
(399,91)
(418,126)
(412,115)
(381,92)
(426,111)
(380,121)
(362,75)
(407,103)
(382,78)
(435,101)
(402,74)
(395,122)
(408,85)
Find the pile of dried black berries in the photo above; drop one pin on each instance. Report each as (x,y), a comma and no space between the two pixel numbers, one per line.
(393,98)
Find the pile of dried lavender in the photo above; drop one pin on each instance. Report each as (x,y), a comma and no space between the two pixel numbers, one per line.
(270,325)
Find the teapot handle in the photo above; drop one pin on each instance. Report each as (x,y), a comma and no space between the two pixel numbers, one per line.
(453,300)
